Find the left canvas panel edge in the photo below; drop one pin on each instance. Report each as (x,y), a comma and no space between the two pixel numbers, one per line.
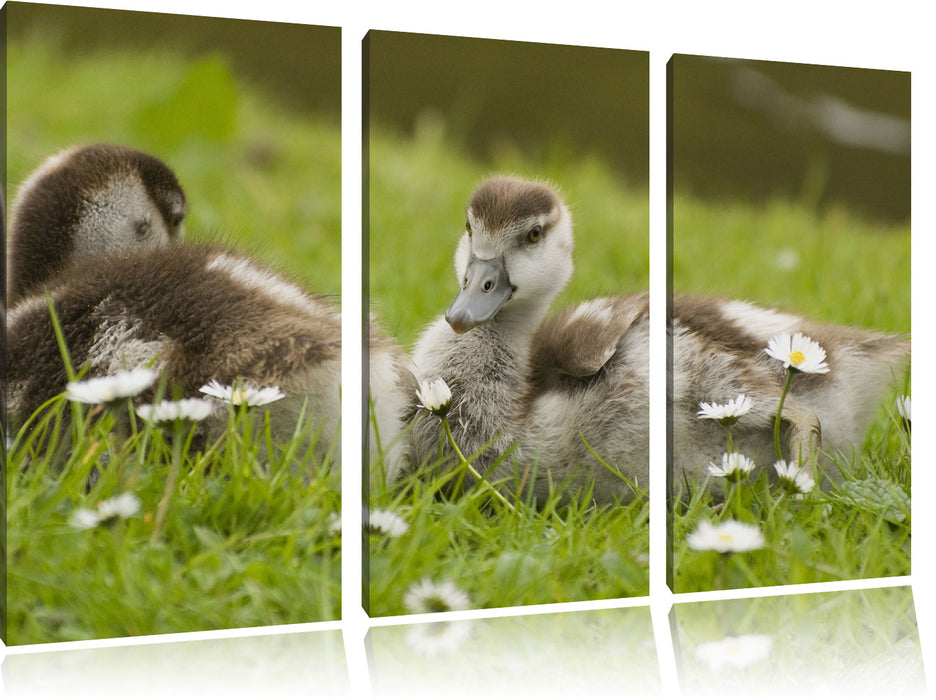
(221,523)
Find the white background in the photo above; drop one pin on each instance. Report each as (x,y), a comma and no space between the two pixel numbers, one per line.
(895,35)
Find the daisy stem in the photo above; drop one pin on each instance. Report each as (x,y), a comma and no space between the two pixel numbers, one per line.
(776,429)
(163,508)
(722,571)
(120,433)
(732,502)
(471,469)
(726,506)
(730,441)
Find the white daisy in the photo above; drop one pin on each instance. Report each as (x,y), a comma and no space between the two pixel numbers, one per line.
(734,465)
(384,522)
(903,407)
(726,413)
(242,393)
(727,536)
(794,477)
(120,507)
(734,651)
(84,519)
(798,352)
(98,390)
(428,596)
(435,396)
(192,410)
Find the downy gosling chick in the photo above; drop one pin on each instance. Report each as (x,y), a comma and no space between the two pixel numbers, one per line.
(86,201)
(97,228)
(568,397)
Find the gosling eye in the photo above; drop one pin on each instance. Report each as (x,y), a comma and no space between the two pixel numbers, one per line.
(535,234)
(468,227)
(176,217)
(142,229)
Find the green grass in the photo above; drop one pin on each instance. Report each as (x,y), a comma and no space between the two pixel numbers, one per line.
(830,266)
(246,539)
(504,554)
(859,528)
(500,556)
(833,267)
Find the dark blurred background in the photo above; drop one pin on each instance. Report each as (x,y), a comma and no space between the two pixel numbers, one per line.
(298,65)
(539,98)
(744,129)
(820,135)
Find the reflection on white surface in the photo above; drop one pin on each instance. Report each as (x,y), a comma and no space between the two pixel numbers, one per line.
(734,651)
(830,645)
(862,642)
(576,654)
(300,664)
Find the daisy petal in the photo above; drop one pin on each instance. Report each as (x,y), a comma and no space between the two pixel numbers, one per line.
(727,536)
(122,385)
(436,396)
(428,596)
(798,352)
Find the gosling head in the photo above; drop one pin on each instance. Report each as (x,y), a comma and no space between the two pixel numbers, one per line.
(515,254)
(86,201)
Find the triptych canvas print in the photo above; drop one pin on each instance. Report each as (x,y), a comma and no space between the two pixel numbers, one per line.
(173,356)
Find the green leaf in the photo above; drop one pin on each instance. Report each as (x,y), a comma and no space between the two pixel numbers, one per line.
(879,496)
(208,538)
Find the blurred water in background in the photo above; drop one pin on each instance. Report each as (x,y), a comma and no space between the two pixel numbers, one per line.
(544,100)
(819,135)
(744,129)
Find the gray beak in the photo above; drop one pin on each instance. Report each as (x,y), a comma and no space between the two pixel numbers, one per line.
(485,290)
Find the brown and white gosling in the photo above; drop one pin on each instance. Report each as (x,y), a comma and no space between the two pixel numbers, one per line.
(195,312)
(541,389)
(86,201)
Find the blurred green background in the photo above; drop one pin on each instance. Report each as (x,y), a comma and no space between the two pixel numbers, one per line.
(443,113)
(246,113)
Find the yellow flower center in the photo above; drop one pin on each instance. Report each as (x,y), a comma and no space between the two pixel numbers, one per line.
(796,357)
(238,396)
(725,538)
